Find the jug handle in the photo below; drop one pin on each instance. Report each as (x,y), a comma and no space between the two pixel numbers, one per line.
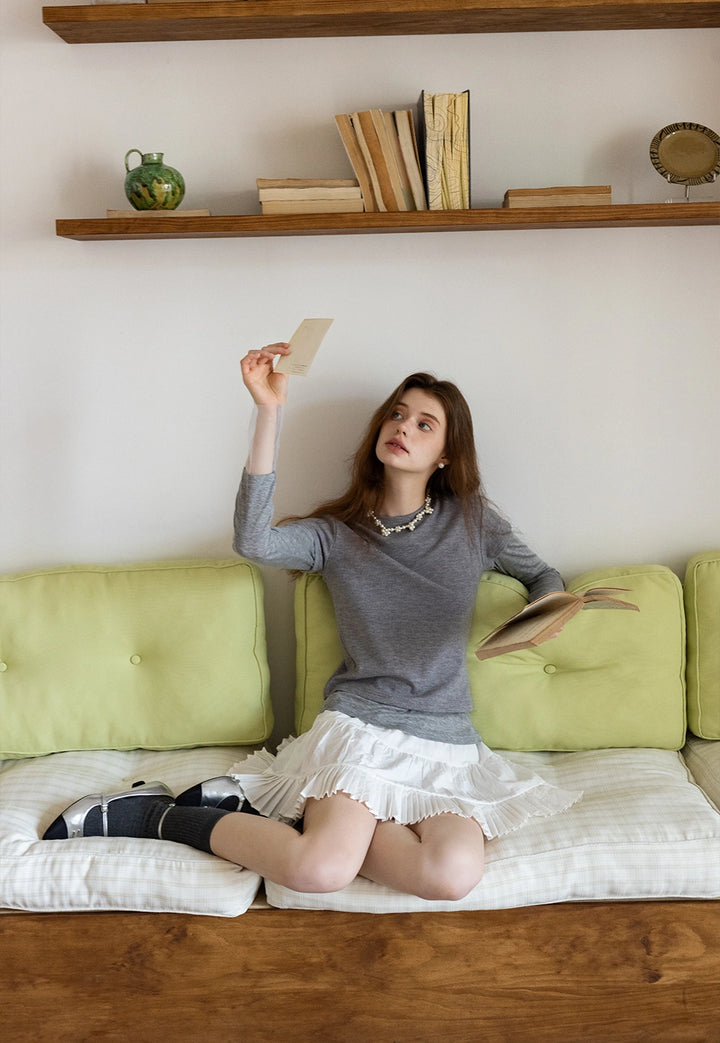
(129,153)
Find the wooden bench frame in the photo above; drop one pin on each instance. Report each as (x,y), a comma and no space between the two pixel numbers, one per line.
(625,971)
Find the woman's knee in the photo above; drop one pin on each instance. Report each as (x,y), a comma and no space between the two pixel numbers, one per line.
(329,854)
(317,872)
(451,874)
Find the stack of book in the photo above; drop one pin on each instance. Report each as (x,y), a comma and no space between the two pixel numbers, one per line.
(396,167)
(383,150)
(309,196)
(445,147)
(570,195)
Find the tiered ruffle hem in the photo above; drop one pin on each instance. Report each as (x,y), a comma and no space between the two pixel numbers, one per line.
(397,776)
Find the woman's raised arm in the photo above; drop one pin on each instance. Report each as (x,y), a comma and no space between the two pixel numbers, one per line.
(269,393)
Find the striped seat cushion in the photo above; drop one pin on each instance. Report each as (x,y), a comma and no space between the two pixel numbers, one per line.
(98,873)
(643,830)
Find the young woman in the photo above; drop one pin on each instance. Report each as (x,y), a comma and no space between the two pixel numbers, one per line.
(392,782)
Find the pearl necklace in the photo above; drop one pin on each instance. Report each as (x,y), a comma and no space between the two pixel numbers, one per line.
(408,526)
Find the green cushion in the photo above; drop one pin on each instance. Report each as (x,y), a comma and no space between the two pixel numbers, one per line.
(702,608)
(155,656)
(612,678)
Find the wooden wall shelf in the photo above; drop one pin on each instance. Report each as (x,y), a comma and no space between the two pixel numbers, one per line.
(262,19)
(249,226)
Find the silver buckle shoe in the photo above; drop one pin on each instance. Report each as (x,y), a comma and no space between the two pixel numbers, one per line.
(221,792)
(71,822)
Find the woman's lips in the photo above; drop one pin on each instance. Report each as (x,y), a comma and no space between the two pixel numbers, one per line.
(396,446)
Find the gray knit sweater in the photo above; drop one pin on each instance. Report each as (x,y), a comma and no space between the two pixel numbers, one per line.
(403,603)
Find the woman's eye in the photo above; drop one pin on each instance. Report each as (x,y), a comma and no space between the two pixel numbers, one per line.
(424,425)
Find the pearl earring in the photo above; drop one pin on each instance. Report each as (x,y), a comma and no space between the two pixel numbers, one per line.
(441,465)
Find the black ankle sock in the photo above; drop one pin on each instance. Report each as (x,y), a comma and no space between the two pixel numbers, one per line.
(188,825)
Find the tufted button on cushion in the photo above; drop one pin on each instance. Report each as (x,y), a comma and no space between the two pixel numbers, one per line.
(550,669)
(135,659)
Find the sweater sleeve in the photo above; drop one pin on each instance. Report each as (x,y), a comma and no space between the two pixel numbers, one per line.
(301,545)
(517,560)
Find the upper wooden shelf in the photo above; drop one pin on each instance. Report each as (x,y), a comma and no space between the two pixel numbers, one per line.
(248,226)
(261,19)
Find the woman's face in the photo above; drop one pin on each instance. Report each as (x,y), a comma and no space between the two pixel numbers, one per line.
(412,439)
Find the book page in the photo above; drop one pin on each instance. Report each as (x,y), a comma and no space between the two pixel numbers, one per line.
(304,345)
(531,621)
(532,626)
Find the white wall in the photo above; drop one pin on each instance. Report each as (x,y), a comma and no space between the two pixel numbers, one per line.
(590,357)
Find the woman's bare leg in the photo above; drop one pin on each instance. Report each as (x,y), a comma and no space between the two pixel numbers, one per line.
(325,857)
(440,858)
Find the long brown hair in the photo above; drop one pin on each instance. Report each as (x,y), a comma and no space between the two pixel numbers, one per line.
(460,477)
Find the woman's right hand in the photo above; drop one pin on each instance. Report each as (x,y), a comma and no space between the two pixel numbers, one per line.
(267,387)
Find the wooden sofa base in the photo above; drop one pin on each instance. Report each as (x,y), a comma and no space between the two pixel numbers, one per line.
(574,972)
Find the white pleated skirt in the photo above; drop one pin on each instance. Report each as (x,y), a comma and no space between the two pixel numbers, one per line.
(397,776)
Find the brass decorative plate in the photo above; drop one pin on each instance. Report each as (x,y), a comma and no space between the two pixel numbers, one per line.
(686,153)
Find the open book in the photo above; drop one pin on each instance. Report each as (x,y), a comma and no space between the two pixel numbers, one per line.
(543,618)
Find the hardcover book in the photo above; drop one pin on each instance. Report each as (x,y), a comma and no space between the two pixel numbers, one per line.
(445,149)
(571,195)
(543,618)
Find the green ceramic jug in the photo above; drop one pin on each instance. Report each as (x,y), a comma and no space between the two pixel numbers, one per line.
(152,185)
